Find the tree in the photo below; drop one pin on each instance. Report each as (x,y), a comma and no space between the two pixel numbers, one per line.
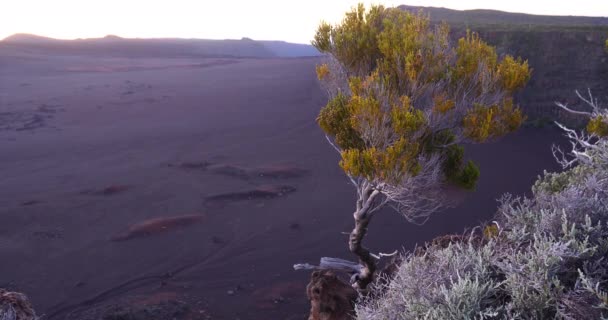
(402,101)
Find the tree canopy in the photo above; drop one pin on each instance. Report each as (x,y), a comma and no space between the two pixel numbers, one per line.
(400,92)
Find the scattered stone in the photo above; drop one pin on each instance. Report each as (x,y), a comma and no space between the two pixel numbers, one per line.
(272,172)
(48,234)
(268,297)
(260,192)
(245,173)
(108,191)
(114,189)
(158,305)
(30,203)
(230,170)
(169,310)
(193,165)
(35,121)
(280,172)
(45,108)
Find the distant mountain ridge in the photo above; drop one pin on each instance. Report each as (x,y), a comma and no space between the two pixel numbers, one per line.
(112,45)
(496,17)
(26,38)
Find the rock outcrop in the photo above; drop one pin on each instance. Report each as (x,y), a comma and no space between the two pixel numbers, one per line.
(15,306)
(330,298)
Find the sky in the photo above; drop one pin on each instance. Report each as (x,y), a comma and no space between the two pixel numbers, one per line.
(293,21)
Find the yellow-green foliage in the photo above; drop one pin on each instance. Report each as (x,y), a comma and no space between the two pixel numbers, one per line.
(411,50)
(354,42)
(482,123)
(322,71)
(402,71)
(388,164)
(442,105)
(491,231)
(405,119)
(514,73)
(598,126)
(364,105)
(473,53)
(335,120)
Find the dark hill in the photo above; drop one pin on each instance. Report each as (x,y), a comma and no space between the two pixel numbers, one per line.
(495,17)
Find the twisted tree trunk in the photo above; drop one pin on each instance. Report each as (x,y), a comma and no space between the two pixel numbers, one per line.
(366,275)
(365,208)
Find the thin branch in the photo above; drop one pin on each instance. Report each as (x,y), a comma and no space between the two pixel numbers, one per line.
(333,144)
(382,255)
(584,113)
(588,149)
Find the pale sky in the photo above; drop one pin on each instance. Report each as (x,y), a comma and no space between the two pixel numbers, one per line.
(293,21)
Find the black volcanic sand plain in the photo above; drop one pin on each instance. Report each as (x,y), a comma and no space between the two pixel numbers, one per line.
(187,188)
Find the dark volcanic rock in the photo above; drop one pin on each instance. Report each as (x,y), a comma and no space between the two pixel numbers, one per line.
(230,170)
(279,172)
(259,193)
(194,165)
(241,172)
(330,298)
(272,171)
(157,225)
(107,191)
(14,305)
(114,190)
(31,202)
